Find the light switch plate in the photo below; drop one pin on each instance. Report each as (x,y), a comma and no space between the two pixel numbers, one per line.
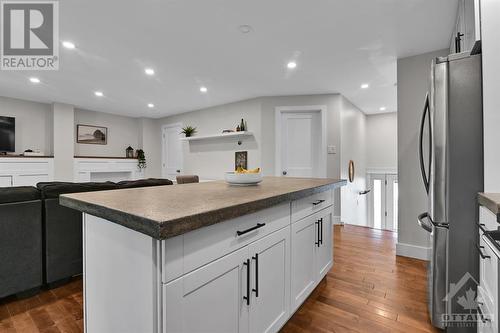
(332,150)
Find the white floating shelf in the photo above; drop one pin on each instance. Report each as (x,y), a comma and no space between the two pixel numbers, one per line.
(233,135)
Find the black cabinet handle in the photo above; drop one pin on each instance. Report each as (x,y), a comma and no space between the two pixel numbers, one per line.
(256,289)
(317,233)
(321,233)
(259,225)
(481,226)
(247,297)
(479,249)
(317,202)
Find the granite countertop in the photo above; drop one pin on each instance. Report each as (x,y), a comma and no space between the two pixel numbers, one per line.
(167,211)
(490,201)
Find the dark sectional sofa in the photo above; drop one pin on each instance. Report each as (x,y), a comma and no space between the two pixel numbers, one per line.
(40,240)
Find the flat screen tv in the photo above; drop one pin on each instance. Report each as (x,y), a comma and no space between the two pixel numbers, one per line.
(7,134)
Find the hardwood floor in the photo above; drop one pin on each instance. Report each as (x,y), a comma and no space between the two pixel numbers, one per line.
(51,311)
(369,289)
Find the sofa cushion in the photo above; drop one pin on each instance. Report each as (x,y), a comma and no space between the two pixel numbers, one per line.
(18,194)
(144,183)
(54,189)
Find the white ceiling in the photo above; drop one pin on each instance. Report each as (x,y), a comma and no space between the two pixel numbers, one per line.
(337,44)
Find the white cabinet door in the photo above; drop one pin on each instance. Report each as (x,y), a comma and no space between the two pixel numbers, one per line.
(324,251)
(5,181)
(270,267)
(303,279)
(209,299)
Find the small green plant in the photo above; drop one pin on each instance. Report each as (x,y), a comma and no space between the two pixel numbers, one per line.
(141,159)
(188,131)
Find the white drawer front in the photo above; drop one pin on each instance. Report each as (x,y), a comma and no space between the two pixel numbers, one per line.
(487,218)
(204,245)
(310,205)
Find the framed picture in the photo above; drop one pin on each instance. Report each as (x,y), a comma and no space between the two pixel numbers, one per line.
(241,159)
(89,134)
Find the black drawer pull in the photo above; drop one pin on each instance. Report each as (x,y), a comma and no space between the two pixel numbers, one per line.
(247,297)
(321,232)
(259,225)
(479,249)
(256,289)
(317,233)
(481,226)
(317,202)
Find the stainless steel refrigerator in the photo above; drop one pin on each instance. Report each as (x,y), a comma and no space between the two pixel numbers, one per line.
(451,162)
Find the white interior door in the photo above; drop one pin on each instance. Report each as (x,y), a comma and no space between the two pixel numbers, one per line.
(384,201)
(300,144)
(172,151)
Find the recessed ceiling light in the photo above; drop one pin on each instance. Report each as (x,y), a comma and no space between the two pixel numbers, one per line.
(151,105)
(365,85)
(68,45)
(291,65)
(245,28)
(382,108)
(203,89)
(98,93)
(149,71)
(34,80)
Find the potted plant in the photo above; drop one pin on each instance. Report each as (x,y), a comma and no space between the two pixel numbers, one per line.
(188,131)
(141,159)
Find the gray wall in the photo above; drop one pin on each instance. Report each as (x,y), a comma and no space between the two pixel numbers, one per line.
(382,141)
(33,124)
(413,83)
(122,132)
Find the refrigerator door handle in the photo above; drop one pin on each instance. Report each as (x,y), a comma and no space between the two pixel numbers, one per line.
(423,221)
(425,113)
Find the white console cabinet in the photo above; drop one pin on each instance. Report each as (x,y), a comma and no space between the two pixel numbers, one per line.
(25,171)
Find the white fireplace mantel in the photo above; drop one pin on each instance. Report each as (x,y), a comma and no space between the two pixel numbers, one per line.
(92,169)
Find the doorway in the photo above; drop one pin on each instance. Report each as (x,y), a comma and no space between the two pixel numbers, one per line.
(383,201)
(172,155)
(300,138)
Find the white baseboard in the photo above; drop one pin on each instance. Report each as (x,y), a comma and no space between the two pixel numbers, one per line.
(336,220)
(413,251)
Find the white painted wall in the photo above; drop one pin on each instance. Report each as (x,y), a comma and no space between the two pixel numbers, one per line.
(413,83)
(33,124)
(382,141)
(353,147)
(150,142)
(64,129)
(210,159)
(490,26)
(122,132)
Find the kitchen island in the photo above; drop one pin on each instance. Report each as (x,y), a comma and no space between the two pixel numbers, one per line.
(204,257)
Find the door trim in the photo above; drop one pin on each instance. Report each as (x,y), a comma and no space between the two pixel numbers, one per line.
(279,110)
(163,157)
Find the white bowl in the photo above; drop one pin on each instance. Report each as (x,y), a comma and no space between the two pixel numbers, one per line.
(234,178)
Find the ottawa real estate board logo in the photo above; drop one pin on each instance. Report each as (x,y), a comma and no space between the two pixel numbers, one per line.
(29,38)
